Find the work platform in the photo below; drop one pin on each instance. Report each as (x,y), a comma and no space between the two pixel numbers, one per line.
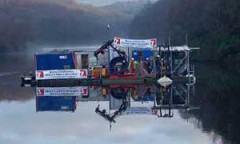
(118,61)
(102,82)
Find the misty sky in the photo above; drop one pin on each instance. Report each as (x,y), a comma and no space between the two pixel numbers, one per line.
(105,2)
(20,123)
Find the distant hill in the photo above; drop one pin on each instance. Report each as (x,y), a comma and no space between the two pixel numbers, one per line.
(130,8)
(56,23)
(213,25)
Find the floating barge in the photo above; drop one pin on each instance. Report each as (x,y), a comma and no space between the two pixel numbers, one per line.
(122,61)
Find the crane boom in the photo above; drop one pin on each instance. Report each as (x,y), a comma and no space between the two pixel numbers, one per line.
(107,45)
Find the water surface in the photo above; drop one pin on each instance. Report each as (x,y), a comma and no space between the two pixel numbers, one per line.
(216,93)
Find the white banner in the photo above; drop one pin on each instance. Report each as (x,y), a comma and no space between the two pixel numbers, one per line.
(62,91)
(133,43)
(138,110)
(61,74)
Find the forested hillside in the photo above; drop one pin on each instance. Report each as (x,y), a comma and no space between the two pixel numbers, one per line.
(130,7)
(213,25)
(56,22)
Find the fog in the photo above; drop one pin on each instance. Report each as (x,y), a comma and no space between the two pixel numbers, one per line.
(108,2)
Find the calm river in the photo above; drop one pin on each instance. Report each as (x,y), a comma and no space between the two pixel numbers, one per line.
(211,119)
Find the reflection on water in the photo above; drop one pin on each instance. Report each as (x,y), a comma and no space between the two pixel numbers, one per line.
(59,98)
(55,103)
(142,113)
(218,96)
(123,99)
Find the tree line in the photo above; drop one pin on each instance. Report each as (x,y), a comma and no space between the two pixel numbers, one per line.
(212,25)
(55,22)
(218,100)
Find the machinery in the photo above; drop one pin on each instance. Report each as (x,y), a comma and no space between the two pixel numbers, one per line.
(111,117)
(121,59)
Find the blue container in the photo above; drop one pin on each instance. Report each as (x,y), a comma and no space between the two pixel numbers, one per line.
(55,60)
(144,53)
(55,103)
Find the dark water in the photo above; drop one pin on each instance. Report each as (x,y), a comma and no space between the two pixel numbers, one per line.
(213,117)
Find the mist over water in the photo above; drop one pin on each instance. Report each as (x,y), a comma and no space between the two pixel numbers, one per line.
(30,27)
(221,89)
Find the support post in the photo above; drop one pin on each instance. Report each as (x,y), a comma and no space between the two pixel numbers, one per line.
(109,56)
(128,55)
(188,94)
(169,48)
(188,63)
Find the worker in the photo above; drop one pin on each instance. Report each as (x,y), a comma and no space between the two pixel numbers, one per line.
(157,65)
(132,66)
(145,64)
(163,67)
(149,66)
(123,68)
